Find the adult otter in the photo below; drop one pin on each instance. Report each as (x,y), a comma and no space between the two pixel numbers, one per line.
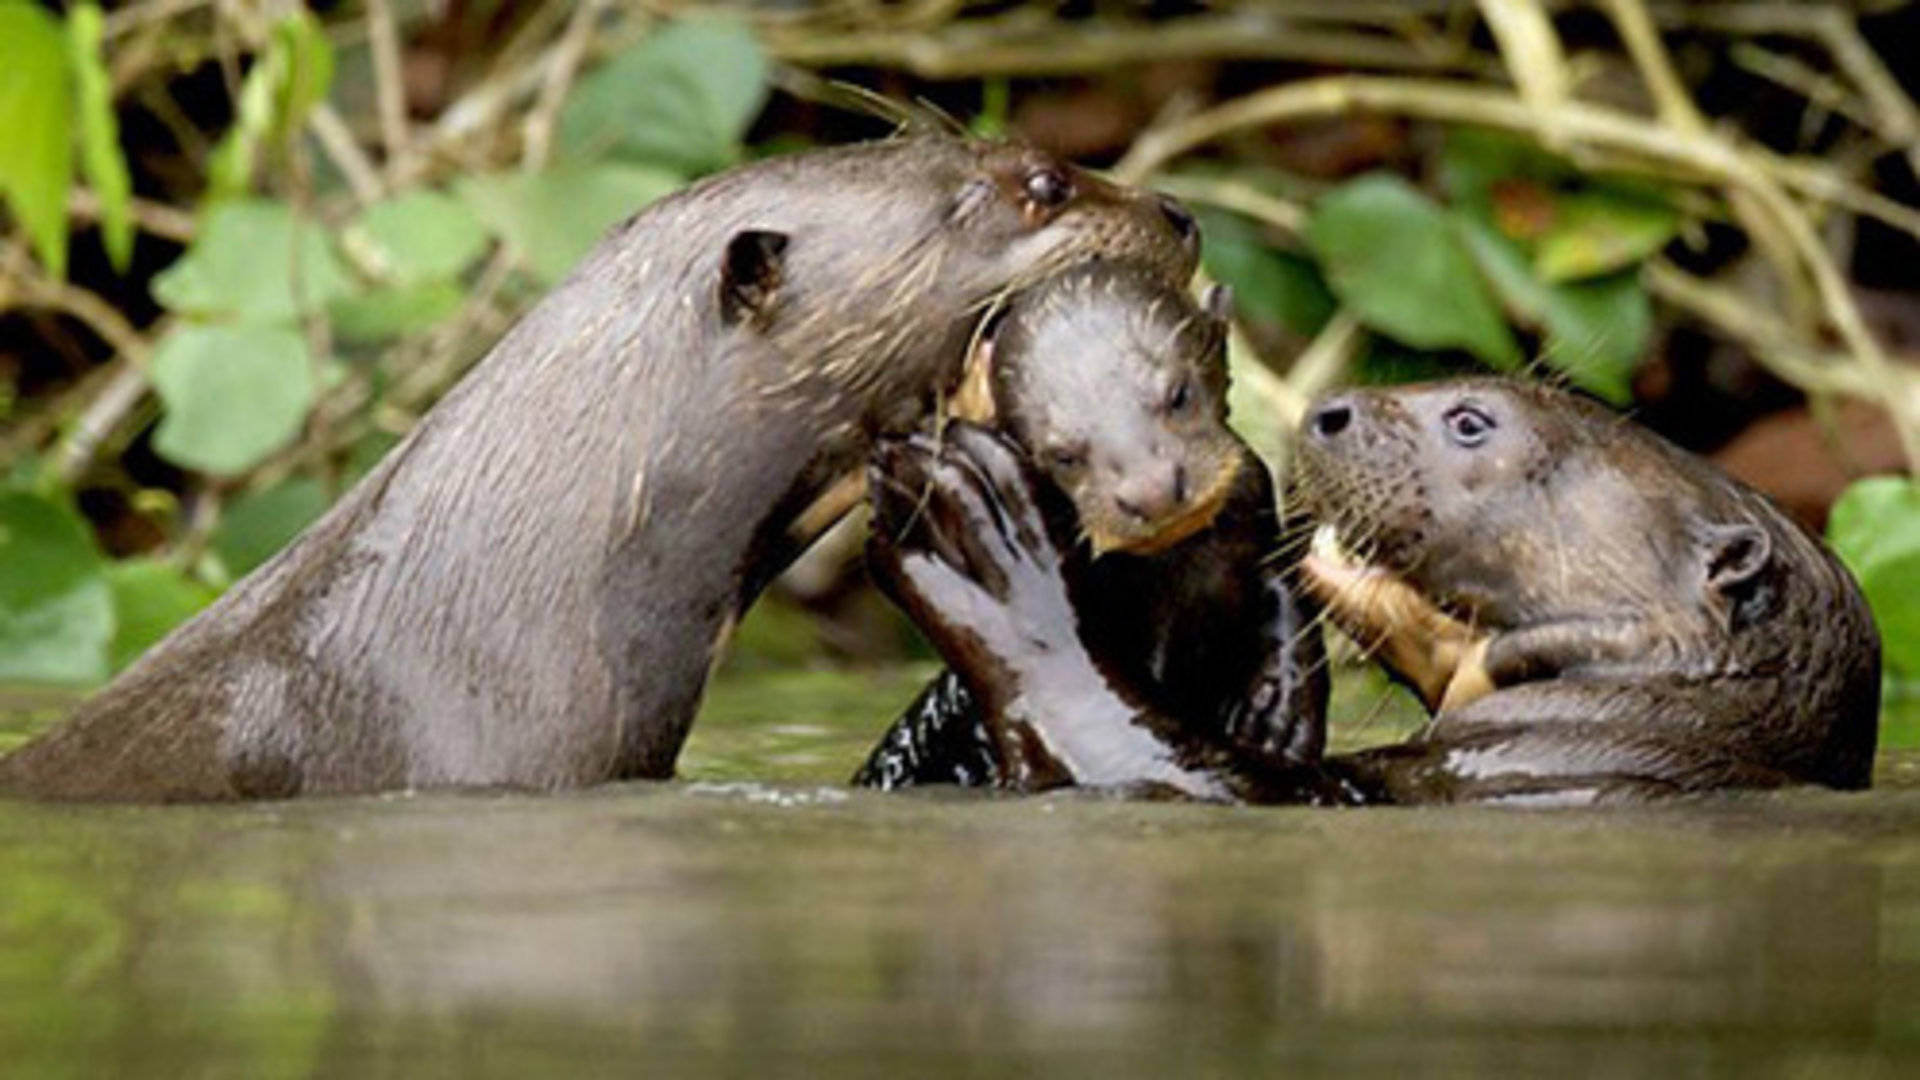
(1112,384)
(1590,611)
(530,589)
(1593,613)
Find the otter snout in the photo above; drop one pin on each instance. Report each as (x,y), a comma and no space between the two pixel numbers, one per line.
(1148,495)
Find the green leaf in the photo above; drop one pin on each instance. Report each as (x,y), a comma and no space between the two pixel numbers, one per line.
(1398,261)
(257,525)
(1278,288)
(1596,331)
(1875,529)
(150,598)
(233,394)
(250,262)
(385,314)
(1474,161)
(683,99)
(286,81)
(230,166)
(417,237)
(1602,230)
(100,153)
(305,57)
(36,145)
(554,218)
(56,614)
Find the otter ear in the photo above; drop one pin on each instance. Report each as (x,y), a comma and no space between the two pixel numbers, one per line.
(1735,553)
(751,276)
(1736,556)
(1217,302)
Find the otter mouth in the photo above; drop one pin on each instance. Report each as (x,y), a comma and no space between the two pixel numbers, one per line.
(1157,537)
(1439,656)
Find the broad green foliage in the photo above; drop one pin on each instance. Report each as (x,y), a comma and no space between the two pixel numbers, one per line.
(1523,240)
(233,394)
(1600,230)
(100,155)
(673,106)
(255,526)
(149,599)
(1563,251)
(1270,286)
(682,99)
(284,84)
(416,245)
(555,217)
(256,262)
(418,237)
(236,391)
(36,147)
(56,613)
(1875,528)
(1475,163)
(1398,261)
(1595,331)
(384,314)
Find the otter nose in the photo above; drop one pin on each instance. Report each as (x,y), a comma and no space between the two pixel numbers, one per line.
(1330,418)
(1152,497)
(1177,215)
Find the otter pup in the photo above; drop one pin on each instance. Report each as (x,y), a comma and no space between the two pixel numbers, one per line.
(1112,385)
(530,589)
(1592,613)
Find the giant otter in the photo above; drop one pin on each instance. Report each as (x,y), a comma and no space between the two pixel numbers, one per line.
(1593,613)
(529,590)
(1112,384)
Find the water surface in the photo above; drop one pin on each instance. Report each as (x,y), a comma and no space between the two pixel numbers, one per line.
(793,927)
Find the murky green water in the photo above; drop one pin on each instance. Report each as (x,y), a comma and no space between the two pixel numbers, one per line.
(801,929)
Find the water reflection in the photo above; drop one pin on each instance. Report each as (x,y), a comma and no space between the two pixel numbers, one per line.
(623,932)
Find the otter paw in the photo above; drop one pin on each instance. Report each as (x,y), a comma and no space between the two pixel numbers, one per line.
(1277,721)
(959,543)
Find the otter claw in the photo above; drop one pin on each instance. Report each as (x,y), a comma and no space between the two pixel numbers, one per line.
(1268,722)
(926,505)
(958,540)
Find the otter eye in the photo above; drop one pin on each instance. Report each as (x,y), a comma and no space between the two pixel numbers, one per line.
(1067,458)
(1468,425)
(1048,187)
(1180,396)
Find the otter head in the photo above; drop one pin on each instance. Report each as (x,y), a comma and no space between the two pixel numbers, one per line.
(1114,383)
(1027,213)
(1465,510)
(873,264)
(1508,504)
